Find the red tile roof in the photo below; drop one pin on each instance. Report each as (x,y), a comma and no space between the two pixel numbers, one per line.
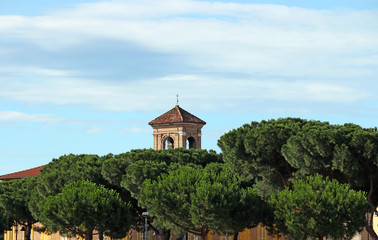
(176,115)
(32,172)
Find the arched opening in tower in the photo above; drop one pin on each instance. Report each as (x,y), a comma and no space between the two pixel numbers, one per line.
(168,143)
(191,142)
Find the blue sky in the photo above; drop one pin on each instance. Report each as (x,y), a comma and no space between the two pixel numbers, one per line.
(87,76)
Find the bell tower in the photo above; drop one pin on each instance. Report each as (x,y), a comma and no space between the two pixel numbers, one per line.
(177,128)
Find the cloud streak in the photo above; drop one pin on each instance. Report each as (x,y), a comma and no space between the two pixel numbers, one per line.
(139,95)
(12,116)
(224,54)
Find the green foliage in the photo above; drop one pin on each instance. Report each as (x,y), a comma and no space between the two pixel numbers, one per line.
(318,207)
(82,207)
(357,159)
(131,169)
(69,169)
(235,153)
(14,199)
(347,153)
(254,152)
(197,200)
(64,170)
(271,154)
(310,150)
(139,171)
(15,196)
(4,222)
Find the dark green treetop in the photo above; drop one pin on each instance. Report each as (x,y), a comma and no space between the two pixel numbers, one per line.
(4,222)
(71,168)
(82,207)
(272,154)
(197,200)
(68,169)
(129,170)
(316,207)
(254,152)
(14,201)
(348,153)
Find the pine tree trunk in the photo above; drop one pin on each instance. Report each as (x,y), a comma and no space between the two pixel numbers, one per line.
(28,231)
(204,232)
(89,235)
(164,234)
(235,237)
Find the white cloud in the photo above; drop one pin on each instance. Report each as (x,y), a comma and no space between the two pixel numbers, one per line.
(204,92)
(283,54)
(135,130)
(12,116)
(94,130)
(238,37)
(32,71)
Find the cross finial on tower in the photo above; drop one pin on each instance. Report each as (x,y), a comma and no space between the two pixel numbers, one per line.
(177,99)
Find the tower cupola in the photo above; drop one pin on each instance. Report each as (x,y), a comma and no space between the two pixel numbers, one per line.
(177,128)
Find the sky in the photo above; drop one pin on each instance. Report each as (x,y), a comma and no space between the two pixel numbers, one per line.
(87,76)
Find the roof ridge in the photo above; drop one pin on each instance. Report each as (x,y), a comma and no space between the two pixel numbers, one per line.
(176,115)
(179,111)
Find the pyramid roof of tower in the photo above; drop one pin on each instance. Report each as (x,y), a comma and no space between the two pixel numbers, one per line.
(177,115)
(32,172)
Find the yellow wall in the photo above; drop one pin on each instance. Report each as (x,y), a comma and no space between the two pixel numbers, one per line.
(245,235)
(45,236)
(7,235)
(128,236)
(10,235)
